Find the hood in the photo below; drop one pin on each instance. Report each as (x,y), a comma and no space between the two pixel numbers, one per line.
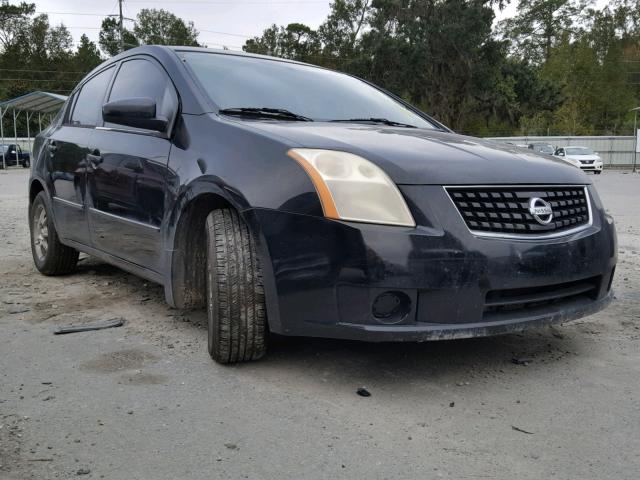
(584,157)
(412,156)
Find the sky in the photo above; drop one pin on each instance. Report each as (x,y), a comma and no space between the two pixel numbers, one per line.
(237,19)
(220,22)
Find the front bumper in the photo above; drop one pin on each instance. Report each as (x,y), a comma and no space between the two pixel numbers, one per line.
(591,167)
(323,277)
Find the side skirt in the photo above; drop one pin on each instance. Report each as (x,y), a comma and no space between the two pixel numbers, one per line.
(117,262)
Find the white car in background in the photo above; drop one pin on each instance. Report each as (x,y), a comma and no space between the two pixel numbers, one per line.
(582,157)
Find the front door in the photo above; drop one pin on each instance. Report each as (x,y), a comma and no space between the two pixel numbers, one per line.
(128,171)
(67,148)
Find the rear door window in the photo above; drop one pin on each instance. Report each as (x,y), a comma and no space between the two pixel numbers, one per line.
(87,111)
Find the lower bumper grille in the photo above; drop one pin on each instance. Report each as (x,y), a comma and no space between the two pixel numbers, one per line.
(508,301)
(508,210)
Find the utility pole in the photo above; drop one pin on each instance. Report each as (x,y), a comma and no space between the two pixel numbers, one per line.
(635,137)
(120,23)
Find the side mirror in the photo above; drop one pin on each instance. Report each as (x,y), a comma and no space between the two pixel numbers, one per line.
(561,154)
(138,112)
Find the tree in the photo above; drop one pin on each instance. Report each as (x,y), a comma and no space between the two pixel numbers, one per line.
(160,27)
(87,56)
(296,41)
(109,37)
(540,24)
(340,32)
(152,27)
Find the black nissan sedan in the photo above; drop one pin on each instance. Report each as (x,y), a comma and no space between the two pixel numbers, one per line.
(293,199)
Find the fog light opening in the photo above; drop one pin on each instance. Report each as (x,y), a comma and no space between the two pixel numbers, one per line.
(391,307)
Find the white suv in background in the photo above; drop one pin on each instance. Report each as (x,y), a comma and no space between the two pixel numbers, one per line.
(582,157)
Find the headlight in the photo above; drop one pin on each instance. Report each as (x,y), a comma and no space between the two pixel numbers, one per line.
(352,188)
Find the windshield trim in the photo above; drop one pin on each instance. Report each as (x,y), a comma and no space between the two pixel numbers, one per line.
(216,108)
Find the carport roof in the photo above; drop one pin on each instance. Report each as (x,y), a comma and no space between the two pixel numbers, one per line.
(44,102)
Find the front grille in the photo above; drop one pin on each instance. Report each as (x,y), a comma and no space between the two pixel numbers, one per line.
(505,210)
(508,301)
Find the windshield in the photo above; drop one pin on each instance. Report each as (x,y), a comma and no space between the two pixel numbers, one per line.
(543,148)
(578,151)
(233,81)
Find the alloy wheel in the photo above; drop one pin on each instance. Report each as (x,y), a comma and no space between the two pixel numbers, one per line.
(40,232)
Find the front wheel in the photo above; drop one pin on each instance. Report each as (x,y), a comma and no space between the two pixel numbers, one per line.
(49,255)
(26,164)
(237,328)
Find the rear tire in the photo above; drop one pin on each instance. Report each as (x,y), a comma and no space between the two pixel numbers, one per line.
(49,255)
(237,329)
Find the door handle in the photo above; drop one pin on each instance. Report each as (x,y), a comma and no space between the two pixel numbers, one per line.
(95,158)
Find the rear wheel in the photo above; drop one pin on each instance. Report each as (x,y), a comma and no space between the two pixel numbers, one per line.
(49,255)
(235,295)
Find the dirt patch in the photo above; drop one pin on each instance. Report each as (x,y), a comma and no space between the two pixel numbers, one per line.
(143,378)
(113,362)
(10,444)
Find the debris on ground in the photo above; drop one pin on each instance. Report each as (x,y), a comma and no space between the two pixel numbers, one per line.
(522,360)
(99,325)
(18,309)
(363,392)
(521,430)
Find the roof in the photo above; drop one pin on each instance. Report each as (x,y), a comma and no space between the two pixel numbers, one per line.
(44,102)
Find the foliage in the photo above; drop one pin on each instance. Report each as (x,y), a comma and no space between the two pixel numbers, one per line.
(159,27)
(557,66)
(109,38)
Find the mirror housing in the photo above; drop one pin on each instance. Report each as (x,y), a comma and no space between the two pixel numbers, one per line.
(138,112)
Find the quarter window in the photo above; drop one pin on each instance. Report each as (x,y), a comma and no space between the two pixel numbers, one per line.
(141,78)
(88,108)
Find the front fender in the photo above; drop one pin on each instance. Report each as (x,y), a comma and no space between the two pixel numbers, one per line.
(191,206)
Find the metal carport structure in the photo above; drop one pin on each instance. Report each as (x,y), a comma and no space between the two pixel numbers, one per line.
(42,103)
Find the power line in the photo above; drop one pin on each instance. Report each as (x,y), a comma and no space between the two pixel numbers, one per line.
(226,33)
(28,80)
(230,2)
(42,71)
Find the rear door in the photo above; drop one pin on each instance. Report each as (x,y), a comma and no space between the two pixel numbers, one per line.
(126,185)
(67,147)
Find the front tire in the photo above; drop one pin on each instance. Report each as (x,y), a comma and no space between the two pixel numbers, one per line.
(49,255)
(237,330)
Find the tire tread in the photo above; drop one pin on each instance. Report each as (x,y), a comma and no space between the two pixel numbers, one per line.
(235,294)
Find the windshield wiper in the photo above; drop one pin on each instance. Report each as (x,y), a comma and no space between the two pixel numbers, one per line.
(265,112)
(384,121)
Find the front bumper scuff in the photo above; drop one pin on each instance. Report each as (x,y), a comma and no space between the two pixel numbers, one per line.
(322,276)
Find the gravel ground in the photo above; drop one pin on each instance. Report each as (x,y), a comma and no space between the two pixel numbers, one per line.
(144,401)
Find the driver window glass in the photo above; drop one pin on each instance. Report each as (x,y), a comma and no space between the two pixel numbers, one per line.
(88,108)
(141,78)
